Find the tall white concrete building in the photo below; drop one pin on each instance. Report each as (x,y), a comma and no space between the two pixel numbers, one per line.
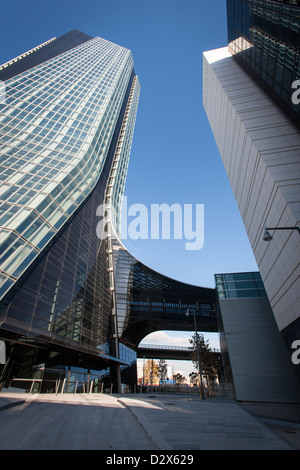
(257,134)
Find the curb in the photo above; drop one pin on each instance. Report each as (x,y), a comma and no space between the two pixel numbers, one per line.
(279,423)
(151,433)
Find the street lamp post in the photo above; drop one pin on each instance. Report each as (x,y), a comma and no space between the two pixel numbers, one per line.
(198,354)
(268,237)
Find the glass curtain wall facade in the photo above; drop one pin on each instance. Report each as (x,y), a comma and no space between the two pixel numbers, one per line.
(45,51)
(147,301)
(264,36)
(69,109)
(239,285)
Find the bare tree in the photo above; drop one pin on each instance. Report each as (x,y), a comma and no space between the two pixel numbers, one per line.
(193,378)
(150,372)
(179,379)
(162,371)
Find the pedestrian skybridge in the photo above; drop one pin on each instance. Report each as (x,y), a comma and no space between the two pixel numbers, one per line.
(147,301)
(152,351)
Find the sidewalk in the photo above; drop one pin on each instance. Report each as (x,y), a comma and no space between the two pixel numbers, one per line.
(184,423)
(214,424)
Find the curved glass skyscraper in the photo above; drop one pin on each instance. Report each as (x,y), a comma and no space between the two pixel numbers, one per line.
(66,128)
(74,303)
(56,131)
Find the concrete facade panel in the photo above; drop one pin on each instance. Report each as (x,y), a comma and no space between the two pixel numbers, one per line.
(260,149)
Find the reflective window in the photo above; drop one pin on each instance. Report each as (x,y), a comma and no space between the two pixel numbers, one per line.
(265,37)
(238,285)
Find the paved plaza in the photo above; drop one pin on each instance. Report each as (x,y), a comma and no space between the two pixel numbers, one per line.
(136,422)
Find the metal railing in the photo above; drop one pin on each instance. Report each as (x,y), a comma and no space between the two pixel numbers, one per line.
(213,390)
(59,387)
(34,385)
(169,347)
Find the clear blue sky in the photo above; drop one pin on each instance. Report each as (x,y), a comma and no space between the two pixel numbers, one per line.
(174,157)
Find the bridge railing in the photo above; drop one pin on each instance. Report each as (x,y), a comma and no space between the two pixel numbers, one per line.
(201,310)
(170,347)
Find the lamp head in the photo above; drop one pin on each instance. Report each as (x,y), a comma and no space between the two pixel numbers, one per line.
(267,237)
